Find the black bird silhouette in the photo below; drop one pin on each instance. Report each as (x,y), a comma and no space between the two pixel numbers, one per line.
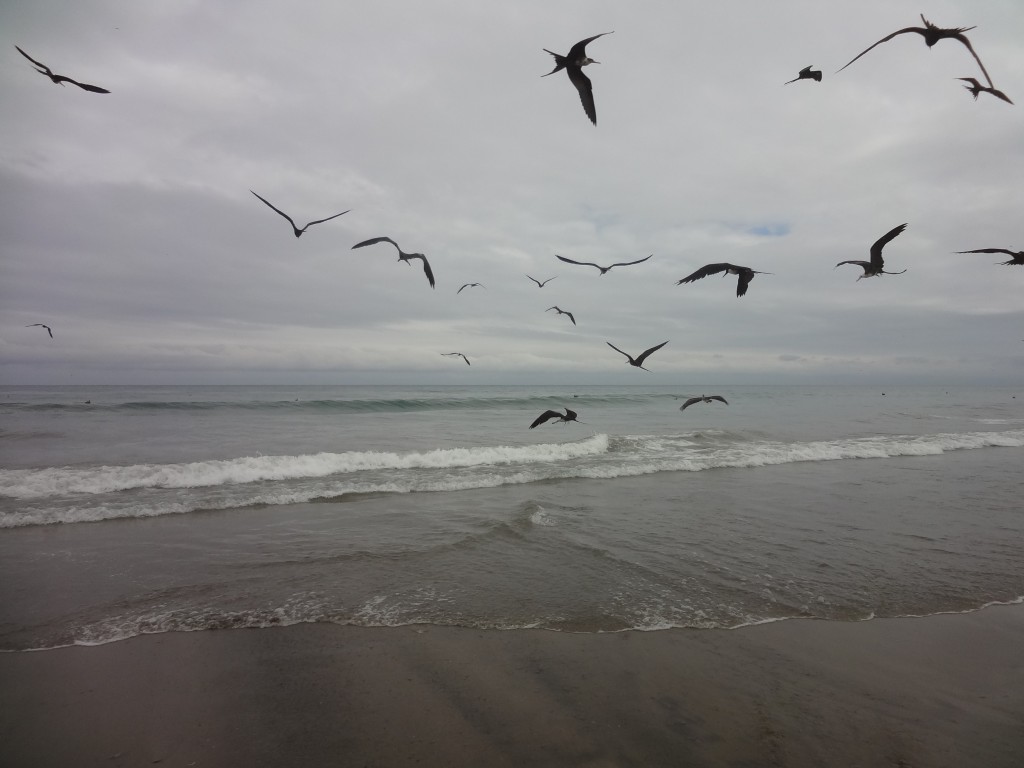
(402,255)
(42,69)
(806,74)
(638,361)
(746,274)
(573,63)
(702,399)
(562,312)
(604,270)
(456,354)
(298,232)
(470,285)
(548,415)
(874,267)
(931,34)
(33,325)
(539,283)
(975,88)
(1016,257)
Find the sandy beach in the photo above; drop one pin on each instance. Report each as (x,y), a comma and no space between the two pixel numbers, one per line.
(944,690)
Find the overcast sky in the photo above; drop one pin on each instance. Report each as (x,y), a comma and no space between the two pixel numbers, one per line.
(127,223)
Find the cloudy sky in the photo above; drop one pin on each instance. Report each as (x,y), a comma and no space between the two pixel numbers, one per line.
(128,226)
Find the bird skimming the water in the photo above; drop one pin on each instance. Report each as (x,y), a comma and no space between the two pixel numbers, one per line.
(702,399)
(806,74)
(470,285)
(402,255)
(456,354)
(539,283)
(33,325)
(1016,257)
(746,274)
(638,361)
(874,267)
(42,69)
(975,88)
(573,63)
(604,270)
(548,415)
(562,312)
(298,232)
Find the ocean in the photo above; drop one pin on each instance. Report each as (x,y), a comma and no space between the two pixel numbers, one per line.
(131,510)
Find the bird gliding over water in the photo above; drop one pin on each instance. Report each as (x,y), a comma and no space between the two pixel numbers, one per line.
(539,283)
(875,266)
(604,270)
(702,399)
(806,74)
(456,354)
(638,361)
(1016,257)
(470,285)
(402,256)
(746,274)
(548,415)
(562,312)
(573,63)
(975,88)
(298,232)
(42,69)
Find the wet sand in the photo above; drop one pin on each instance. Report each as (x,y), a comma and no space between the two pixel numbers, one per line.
(938,691)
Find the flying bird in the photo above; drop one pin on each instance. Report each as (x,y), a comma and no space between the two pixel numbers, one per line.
(1016,257)
(638,361)
(604,270)
(60,79)
(470,285)
(975,88)
(573,64)
(562,312)
(33,325)
(456,354)
(548,415)
(702,399)
(746,274)
(931,34)
(806,74)
(298,232)
(539,283)
(402,255)
(874,267)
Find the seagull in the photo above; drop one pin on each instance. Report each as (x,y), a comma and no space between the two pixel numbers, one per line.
(931,34)
(874,267)
(60,79)
(1016,257)
(604,270)
(33,325)
(456,354)
(562,312)
(548,415)
(975,88)
(402,255)
(539,283)
(702,399)
(637,362)
(806,74)
(298,232)
(573,64)
(746,274)
(470,285)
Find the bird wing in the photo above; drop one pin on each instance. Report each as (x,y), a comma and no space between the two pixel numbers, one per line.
(646,352)
(864,264)
(963,39)
(627,263)
(373,241)
(586,91)
(581,47)
(321,221)
(719,398)
(581,263)
(689,402)
(570,317)
(426,268)
(271,206)
(619,350)
(744,280)
(538,282)
(570,415)
(546,416)
(991,250)
(885,39)
(37,63)
(879,244)
(83,86)
(708,269)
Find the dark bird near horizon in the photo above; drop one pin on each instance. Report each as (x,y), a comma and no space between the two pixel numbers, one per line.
(33,325)
(746,274)
(702,399)
(42,69)
(975,88)
(604,270)
(539,283)
(1016,257)
(874,267)
(562,312)
(402,255)
(298,232)
(638,361)
(806,74)
(456,354)
(470,285)
(573,63)
(548,415)
(931,34)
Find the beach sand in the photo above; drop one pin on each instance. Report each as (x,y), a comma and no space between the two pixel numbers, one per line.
(944,690)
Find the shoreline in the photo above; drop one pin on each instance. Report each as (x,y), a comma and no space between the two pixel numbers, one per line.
(941,690)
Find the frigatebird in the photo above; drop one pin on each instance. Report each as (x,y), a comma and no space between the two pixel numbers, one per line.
(746,274)
(298,232)
(1016,257)
(931,34)
(548,415)
(604,270)
(470,285)
(806,74)
(573,63)
(975,88)
(874,267)
(638,361)
(456,354)
(33,325)
(562,312)
(539,283)
(42,69)
(702,399)
(402,255)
